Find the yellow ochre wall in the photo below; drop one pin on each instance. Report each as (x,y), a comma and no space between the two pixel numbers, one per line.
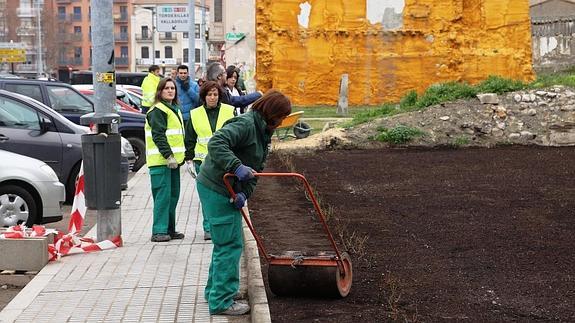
(440,40)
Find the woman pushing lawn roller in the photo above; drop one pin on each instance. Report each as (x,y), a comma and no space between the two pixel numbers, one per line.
(239,147)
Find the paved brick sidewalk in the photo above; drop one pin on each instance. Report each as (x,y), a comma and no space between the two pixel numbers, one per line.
(140,282)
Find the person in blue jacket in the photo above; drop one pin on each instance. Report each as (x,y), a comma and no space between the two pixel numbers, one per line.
(217,73)
(240,147)
(188,92)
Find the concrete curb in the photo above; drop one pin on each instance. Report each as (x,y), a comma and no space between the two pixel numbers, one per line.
(260,311)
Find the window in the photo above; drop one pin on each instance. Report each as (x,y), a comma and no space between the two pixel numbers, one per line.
(198,55)
(77,29)
(77,52)
(30,90)
(124,30)
(157,54)
(186,35)
(77,15)
(217,10)
(63,99)
(186,54)
(168,52)
(145,32)
(123,10)
(14,114)
(197,31)
(145,52)
(124,51)
(168,35)
(61,13)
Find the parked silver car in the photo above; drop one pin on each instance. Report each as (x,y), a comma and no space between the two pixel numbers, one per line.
(30,191)
(30,128)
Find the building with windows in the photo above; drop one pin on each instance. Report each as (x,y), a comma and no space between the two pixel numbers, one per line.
(165,49)
(69,44)
(19,24)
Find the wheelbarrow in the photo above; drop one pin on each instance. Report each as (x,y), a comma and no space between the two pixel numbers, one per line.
(294,273)
(292,122)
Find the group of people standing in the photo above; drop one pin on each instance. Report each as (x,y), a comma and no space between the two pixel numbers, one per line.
(207,129)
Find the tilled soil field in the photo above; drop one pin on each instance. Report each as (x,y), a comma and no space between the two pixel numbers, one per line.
(478,235)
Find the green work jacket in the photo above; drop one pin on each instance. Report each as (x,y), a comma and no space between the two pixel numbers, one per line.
(242,140)
(203,123)
(164,134)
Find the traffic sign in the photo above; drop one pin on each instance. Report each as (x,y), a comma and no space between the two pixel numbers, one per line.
(12,55)
(173,18)
(235,36)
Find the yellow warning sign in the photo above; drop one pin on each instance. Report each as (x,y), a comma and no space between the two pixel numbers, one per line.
(105,77)
(12,55)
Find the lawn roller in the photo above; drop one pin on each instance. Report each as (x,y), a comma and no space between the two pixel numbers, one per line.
(294,273)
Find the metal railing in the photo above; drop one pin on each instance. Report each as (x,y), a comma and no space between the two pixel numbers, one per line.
(122,61)
(121,37)
(144,38)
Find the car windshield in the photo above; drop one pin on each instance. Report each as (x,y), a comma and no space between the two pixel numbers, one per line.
(67,100)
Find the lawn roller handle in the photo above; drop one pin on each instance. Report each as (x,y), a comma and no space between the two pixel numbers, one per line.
(310,193)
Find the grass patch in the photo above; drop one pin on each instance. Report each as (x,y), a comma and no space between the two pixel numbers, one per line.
(399,135)
(321,111)
(437,94)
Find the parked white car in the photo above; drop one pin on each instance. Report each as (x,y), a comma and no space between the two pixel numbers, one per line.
(30,191)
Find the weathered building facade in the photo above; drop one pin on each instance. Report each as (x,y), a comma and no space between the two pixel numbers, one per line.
(387,47)
(553,27)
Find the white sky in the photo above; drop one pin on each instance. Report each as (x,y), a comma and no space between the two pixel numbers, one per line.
(375,8)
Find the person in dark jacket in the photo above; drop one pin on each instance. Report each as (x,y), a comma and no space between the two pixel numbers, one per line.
(217,73)
(239,147)
(232,76)
(206,119)
(165,151)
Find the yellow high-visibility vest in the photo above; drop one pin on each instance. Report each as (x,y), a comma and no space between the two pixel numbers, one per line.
(174,134)
(201,125)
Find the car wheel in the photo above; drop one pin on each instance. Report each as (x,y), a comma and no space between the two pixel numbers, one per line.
(17,206)
(71,185)
(139,148)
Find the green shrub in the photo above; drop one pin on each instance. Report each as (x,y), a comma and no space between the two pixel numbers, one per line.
(408,100)
(498,84)
(461,141)
(368,115)
(443,92)
(399,135)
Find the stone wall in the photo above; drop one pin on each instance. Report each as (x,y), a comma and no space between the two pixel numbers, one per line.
(303,47)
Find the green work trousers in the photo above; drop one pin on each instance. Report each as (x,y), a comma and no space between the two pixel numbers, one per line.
(205,221)
(166,192)
(226,230)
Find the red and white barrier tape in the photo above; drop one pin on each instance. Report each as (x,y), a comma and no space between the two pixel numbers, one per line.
(71,243)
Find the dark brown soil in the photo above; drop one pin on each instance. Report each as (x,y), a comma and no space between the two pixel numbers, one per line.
(480,235)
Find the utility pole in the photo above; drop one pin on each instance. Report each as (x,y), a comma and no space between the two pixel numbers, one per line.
(153,35)
(40,63)
(192,38)
(101,149)
(204,51)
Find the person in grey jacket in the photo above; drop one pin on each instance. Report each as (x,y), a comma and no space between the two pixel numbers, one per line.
(217,73)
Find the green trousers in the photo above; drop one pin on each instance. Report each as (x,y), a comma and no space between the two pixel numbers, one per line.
(205,221)
(226,230)
(166,192)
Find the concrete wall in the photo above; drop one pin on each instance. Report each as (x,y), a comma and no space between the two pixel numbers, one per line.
(387,47)
(553,43)
(552,8)
(240,18)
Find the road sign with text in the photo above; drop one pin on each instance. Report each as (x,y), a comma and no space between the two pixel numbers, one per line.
(173,18)
(12,55)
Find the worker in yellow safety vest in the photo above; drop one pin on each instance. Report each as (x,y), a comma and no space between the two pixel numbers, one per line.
(165,151)
(149,87)
(204,121)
